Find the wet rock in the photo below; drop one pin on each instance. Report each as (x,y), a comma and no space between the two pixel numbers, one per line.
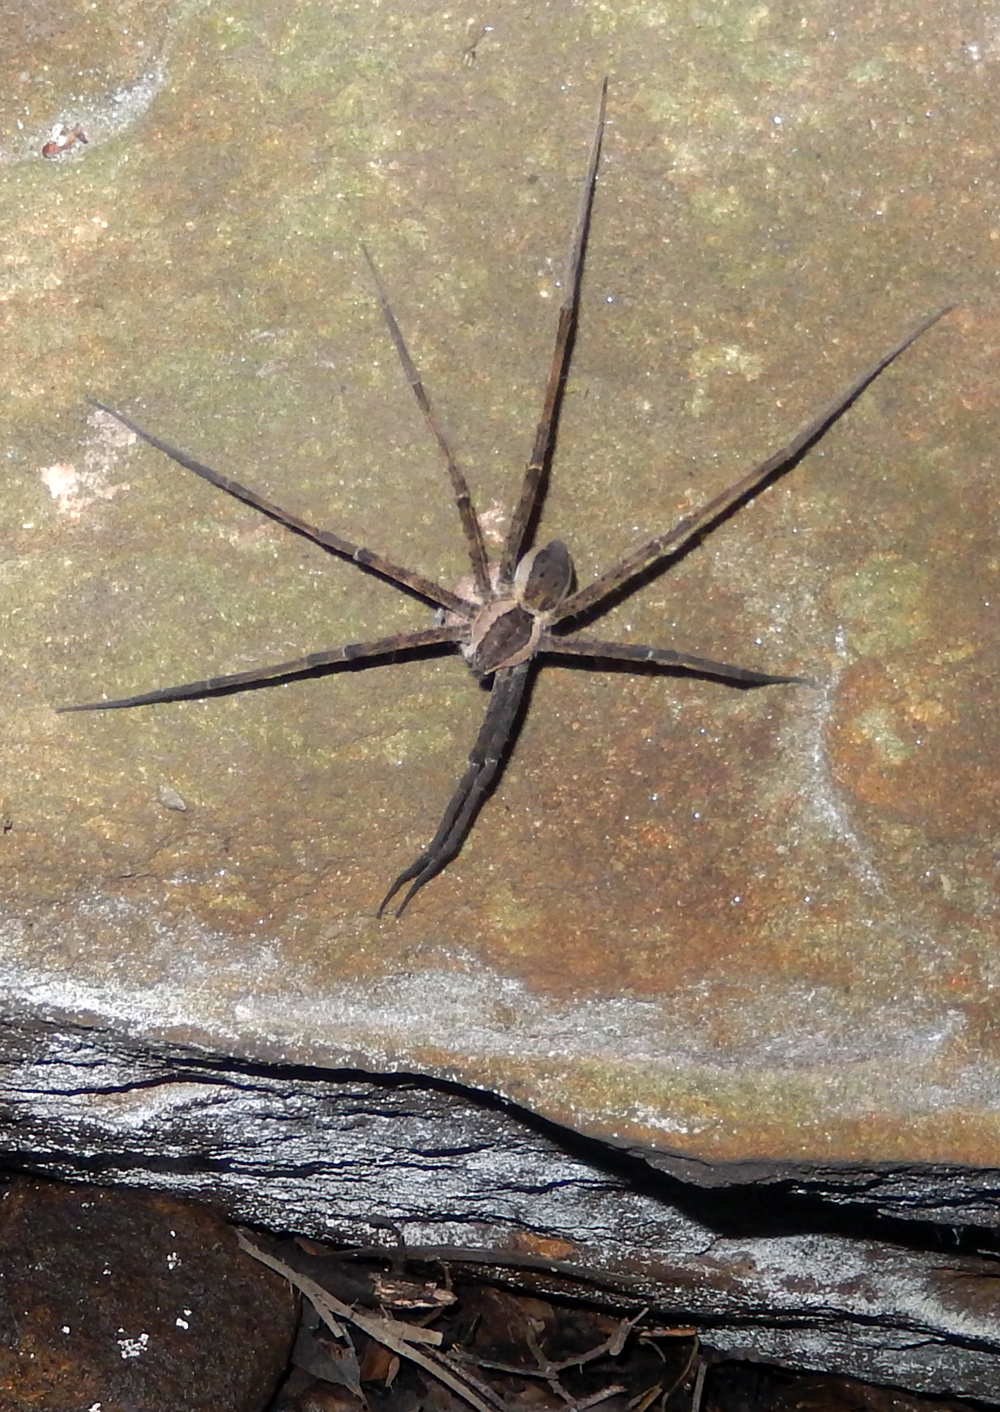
(130,1302)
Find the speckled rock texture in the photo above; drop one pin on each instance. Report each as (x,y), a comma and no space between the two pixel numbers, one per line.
(708,926)
(739,924)
(129,1302)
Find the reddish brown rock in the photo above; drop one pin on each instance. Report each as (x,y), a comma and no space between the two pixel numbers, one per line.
(729,931)
(131,1303)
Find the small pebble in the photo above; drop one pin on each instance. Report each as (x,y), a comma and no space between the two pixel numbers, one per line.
(170,799)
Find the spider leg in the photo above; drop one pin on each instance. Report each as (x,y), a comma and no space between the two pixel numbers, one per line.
(486,762)
(463,498)
(661,657)
(404,578)
(718,508)
(298,666)
(536,472)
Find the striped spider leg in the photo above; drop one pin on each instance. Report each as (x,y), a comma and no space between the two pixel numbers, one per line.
(520,608)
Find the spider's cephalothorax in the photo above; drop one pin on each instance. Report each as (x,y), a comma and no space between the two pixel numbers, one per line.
(506,631)
(522,608)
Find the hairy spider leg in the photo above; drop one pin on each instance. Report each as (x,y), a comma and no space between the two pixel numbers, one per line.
(385,647)
(458,820)
(495,738)
(471,525)
(738,494)
(601,650)
(486,761)
(536,472)
(416,583)
(388,648)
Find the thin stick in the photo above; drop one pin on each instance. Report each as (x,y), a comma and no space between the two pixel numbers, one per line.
(365,558)
(391,1333)
(699,1385)
(719,507)
(503,1259)
(536,472)
(545,1368)
(463,498)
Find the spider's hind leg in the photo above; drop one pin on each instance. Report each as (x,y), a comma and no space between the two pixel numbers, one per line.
(486,761)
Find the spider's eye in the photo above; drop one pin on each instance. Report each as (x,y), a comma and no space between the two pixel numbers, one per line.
(544,577)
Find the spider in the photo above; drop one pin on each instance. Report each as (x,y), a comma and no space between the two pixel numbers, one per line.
(519,611)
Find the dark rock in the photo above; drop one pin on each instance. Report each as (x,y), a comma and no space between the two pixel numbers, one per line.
(132,1303)
(763,1267)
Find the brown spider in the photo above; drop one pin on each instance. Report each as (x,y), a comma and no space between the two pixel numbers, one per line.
(520,608)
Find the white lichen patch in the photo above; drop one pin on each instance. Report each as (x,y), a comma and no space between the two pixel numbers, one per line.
(75,488)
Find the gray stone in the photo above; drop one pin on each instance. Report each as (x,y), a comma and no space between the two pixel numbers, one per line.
(351,1157)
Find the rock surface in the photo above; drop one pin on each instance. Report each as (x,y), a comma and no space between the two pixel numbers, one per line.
(346,1157)
(129,1302)
(746,936)
(742,925)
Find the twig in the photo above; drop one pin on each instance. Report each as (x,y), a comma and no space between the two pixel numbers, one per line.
(550,1371)
(682,1375)
(392,1334)
(505,1259)
(699,1386)
(595,1398)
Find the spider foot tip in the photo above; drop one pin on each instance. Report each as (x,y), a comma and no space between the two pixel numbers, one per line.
(383,906)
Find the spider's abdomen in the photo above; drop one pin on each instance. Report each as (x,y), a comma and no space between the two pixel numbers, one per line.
(543,578)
